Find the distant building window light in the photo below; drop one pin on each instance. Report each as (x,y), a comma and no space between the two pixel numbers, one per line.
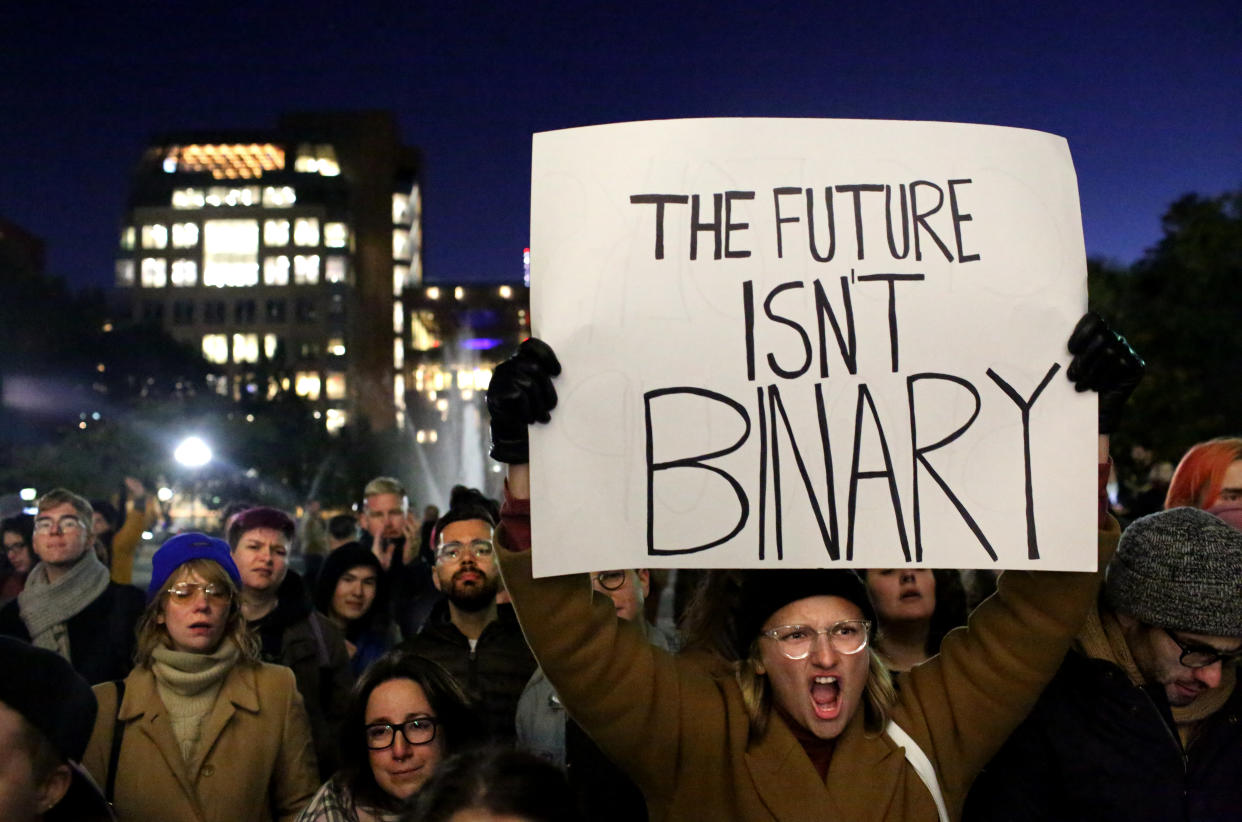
(275,233)
(306,231)
(416,202)
(245,348)
(306,269)
(127,238)
(154,272)
(276,270)
(334,386)
(433,293)
(400,209)
(189,198)
(184,272)
(270,344)
(155,236)
(170,165)
(336,346)
(184,235)
(231,252)
(317,159)
(306,384)
(506,292)
(421,336)
(225,160)
(335,235)
(400,275)
(398,319)
(398,355)
(124,273)
(459,292)
(400,244)
(279,196)
(481,344)
(398,391)
(335,419)
(218,196)
(335,269)
(216,348)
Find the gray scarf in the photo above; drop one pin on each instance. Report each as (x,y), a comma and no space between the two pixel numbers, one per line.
(45,606)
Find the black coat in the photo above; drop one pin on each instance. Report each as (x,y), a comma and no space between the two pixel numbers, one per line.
(102,636)
(1098,748)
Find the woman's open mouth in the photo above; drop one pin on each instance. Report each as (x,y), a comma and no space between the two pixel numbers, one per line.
(826,697)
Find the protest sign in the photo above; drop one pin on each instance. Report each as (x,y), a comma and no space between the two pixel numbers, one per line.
(809,343)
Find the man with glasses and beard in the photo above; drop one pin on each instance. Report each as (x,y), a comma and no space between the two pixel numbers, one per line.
(474,637)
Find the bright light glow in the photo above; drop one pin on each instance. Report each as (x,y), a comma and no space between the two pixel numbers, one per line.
(127,238)
(400,244)
(481,343)
(154,272)
(28,494)
(335,235)
(164,494)
(317,159)
(306,231)
(124,273)
(336,419)
(231,252)
(276,270)
(270,342)
(400,209)
(223,196)
(399,275)
(148,535)
(459,292)
(505,292)
(433,293)
(306,384)
(193,452)
(184,272)
(184,235)
(306,269)
(334,268)
(275,232)
(189,198)
(216,348)
(334,386)
(245,348)
(155,236)
(279,196)
(225,161)
(398,355)
(398,319)
(336,347)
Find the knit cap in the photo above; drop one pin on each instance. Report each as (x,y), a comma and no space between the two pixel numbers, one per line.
(764,592)
(1179,569)
(181,549)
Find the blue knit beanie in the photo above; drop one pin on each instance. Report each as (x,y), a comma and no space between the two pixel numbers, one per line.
(181,549)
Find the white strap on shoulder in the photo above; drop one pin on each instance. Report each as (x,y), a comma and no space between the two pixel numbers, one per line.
(921,764)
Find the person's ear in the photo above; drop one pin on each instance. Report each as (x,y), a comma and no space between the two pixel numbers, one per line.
(54,788)
(644,581)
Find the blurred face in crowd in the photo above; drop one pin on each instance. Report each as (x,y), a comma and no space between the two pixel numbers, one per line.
(470,579)
(18,552)
(402,768)
(626,589)
(195,623)
(21,798)
(355,593)
(1231,485)
(61,536)
(261,556)
(1158,656)
(902,594)
(99,525)
(386,516)
(823,691)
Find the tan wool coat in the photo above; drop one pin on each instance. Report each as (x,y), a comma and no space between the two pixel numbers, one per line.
(254,763)
(678,726)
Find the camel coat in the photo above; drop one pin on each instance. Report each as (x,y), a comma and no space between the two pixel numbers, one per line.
(255,761)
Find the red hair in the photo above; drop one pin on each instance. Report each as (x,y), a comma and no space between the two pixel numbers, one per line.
(1200,474)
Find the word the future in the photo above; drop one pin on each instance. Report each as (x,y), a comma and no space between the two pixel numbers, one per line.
(918,218)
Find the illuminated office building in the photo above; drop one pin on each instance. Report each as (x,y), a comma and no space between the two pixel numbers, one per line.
(283,256)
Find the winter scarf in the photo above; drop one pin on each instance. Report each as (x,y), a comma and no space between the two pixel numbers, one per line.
(188,685)
(46,606)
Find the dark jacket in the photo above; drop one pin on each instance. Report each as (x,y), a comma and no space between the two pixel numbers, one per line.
(1097,747)
(492,675)
(296,636)
(101,636)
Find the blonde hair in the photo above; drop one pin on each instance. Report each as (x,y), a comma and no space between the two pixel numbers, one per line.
(878,696)
(153,633)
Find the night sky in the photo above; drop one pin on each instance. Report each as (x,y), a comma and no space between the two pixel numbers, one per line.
(1148,94)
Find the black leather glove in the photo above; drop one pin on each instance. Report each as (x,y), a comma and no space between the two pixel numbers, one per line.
(1105,363)
(519,394)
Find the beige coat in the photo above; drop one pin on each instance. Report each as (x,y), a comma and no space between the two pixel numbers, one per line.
(255,761)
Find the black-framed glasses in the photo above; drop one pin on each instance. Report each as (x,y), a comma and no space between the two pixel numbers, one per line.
(14,547)
(417,731)
(849,636)
(68,522)
(1195,655)
(184,591)
(453,551)
(609,580)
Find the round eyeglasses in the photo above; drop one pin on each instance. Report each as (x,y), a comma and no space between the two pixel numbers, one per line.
(609,580)
(417,731)
(185,591)
(849,636)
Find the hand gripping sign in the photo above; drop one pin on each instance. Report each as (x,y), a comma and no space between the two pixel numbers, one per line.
(809,343)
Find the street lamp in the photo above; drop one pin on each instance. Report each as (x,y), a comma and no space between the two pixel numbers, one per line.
(193,453)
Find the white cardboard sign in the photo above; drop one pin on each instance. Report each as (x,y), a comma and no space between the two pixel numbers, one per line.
(809,343)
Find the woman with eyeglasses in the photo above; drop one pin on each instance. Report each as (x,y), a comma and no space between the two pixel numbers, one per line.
(405,716)
(201,730)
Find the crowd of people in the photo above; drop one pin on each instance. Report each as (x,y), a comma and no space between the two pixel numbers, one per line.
(402,676)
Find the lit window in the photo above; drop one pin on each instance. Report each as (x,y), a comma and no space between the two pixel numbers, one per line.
(154,272)
(336,347)
(505,292)
(279,196)
(398,319)
(422,338)
(127,238)
(245,348)
(433,293)
(482,378)
(416,202)
(225,160)
(400,244)
(306,231)
(334,386)
(335,269)
(270,344)
(398,391)
(155,236)
(317,159)
(276,232)
(399,275)
(189,198)
(398,355)
(124,273)
(231,252)
(459,292)
(184,235)
(335,235)
(170,165)
(216,348)
(306,384)
(184,272)
(225,196)
(276,270)
(306,269)
(335,419)
(401,209)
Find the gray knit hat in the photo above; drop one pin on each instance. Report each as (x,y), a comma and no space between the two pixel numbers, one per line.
(1179,569)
